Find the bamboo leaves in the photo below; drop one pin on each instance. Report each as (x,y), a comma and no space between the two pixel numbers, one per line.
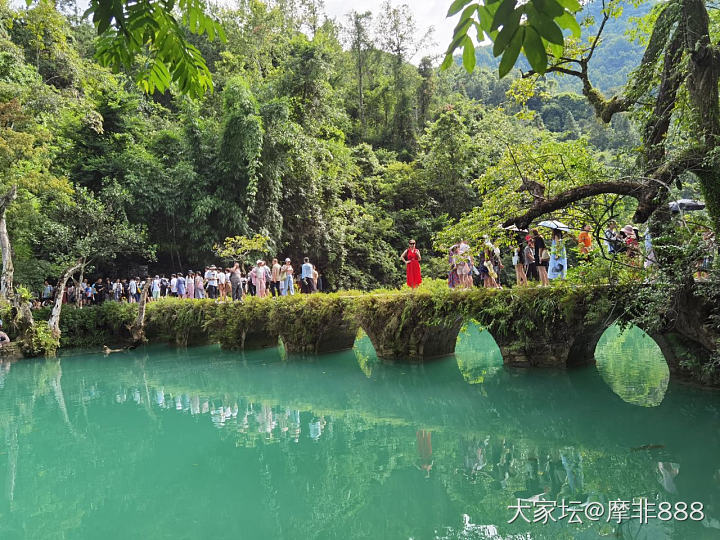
(534,27)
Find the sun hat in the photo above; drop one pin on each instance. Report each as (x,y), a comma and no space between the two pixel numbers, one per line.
(287,260)
(628,229)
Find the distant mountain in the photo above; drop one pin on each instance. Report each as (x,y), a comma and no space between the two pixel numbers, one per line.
(613,60)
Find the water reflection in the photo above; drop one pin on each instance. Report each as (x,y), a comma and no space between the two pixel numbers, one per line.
(328,450)
(477,354)
(633,365)
(365,353)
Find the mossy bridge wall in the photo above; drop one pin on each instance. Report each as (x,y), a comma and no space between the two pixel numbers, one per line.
(534,327)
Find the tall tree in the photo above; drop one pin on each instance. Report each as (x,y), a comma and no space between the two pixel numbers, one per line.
(360,43)
(397,35)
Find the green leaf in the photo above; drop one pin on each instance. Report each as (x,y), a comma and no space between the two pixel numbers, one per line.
(447,62)
(506,34)
(456,6)
(469,55)
(556,50)
(512,52)
(545,26)
(535,50)
(503,14)
(467,13)
(548,7)
(485,16)
(462,27)
(568,22)
(459,37)
(572,6)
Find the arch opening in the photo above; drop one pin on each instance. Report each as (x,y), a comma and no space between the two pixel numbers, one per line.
(633,365)
(477,353)
(365,353)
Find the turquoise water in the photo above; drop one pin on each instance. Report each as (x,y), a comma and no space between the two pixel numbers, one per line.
(202,443)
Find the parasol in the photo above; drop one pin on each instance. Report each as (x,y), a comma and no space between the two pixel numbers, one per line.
(554,224)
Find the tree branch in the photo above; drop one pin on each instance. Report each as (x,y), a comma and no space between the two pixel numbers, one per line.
(545,206)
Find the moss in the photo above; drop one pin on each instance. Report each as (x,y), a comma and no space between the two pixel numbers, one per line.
(525,321)
(241,325)
(178,321)
(315,323)
(92,326)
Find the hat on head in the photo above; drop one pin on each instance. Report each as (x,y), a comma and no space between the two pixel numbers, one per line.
(287,260)
(628,229)
(258,261)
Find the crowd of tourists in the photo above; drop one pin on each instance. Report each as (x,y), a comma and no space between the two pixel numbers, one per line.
(223,284)
(534,258)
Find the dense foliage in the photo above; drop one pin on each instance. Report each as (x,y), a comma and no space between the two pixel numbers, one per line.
(320,135)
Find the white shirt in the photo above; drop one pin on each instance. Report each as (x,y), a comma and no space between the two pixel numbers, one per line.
(132,286)
(173,285)
(211,276)
(222,277)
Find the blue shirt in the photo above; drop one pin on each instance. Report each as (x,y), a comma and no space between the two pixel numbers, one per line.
(307,270)
(181,286)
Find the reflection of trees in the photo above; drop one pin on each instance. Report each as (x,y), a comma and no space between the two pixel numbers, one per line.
(477,354)
(365,354)
(633,365)
(150,421)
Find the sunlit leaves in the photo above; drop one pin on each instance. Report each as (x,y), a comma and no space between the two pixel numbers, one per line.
(533,27)
(237,248)
(154,29)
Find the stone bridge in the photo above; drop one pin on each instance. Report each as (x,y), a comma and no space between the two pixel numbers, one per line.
(533,327)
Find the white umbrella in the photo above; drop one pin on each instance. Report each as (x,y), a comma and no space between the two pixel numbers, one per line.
(514,228)
(554,224)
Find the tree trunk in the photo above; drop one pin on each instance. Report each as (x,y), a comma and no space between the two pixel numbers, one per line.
(704,65)
(137,330)
(54,322)
(79,293)
(6,281)
(22,318)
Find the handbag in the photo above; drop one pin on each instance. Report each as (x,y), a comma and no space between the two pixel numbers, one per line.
(544,255)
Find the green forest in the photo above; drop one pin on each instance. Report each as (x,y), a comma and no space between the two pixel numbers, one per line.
(320,134)
(140,137)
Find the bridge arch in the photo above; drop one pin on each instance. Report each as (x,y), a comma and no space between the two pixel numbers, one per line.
(633,365)
(477,353)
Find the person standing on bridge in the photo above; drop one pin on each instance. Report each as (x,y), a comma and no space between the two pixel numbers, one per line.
(411,257)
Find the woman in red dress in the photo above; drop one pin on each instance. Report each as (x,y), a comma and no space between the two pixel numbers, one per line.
(411,258)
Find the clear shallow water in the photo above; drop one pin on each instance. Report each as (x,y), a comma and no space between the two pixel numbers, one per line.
(200,443)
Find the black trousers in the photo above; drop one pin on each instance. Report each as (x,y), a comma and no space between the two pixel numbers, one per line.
(236,289)
(275,288)
(532,273)
(212,291)
(307,286)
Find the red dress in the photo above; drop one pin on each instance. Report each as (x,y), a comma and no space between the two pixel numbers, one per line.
(413,268)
